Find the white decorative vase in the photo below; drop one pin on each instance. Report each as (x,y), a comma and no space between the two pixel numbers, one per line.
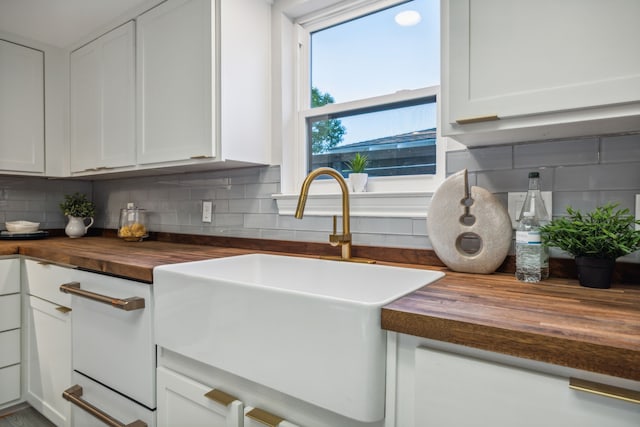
(358,182)
(76,226)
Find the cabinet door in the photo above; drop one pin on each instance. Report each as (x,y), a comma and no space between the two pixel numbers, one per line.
(9,276)
(48,358)
(546,69)
(103,102)
(182,401)
(43,279)
(9,312)
(9,384)
(174,66)
(21,108)
(519,58)
(453,390)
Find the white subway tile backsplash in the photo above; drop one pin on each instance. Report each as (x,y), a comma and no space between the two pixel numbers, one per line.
(623,148)
(392,226)
(477,159)
(586,201)
(260,221)
(262,190)
(556,153)
(503,181)
(622,176)
(243,206)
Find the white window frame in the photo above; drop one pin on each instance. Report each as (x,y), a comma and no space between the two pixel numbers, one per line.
(396,196)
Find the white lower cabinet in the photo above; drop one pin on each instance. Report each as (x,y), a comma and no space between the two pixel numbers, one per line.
(183,401)
(48,358)
(439,387)
(9,332)
(47,341)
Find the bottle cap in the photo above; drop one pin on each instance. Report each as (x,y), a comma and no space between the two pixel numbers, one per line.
(534,174)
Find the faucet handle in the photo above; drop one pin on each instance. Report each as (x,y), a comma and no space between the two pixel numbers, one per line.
(336,239)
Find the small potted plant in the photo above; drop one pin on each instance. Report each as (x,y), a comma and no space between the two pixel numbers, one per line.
(358,177)
(77,209)
(595,239)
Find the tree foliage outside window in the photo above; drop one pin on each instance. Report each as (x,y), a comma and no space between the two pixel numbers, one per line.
(325,134)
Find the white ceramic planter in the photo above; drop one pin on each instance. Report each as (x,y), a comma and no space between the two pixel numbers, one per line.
(358,182)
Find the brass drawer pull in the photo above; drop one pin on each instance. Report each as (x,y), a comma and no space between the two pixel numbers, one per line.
(127,304)
(220,397)
(74,395)
(605,390)
(62,309)
(477,119)
(264,417)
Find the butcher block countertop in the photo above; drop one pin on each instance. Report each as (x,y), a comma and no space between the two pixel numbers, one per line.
(556,321)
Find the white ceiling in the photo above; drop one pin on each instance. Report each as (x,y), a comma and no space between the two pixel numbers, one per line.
(60,23)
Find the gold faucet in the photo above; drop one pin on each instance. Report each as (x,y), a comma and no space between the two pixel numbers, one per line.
(344,239)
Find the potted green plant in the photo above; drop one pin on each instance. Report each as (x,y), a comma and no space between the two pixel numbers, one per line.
(358,177)
(595,239)
(77,208)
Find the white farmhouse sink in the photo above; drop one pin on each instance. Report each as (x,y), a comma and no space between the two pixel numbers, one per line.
(306,327)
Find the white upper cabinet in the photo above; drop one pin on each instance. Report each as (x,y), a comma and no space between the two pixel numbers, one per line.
(103,102)
(21,109)
(175,85)
(199,82)
(522,70)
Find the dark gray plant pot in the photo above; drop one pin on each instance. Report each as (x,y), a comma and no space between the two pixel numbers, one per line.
(595,272)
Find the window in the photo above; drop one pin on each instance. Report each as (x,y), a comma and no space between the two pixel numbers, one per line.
(355,80)
(371,88)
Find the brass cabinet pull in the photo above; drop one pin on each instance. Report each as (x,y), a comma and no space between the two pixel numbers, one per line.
(74,395)
(264,417)
(605,390)
(203,156)
(220,397)
(127,304)
(62,309)
(478,119)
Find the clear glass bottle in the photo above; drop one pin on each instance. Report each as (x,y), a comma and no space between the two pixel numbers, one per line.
(532,258)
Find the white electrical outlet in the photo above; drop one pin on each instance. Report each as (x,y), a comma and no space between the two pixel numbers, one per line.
(207,210)
(516,199)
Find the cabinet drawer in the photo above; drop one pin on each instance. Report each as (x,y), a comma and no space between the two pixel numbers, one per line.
(9,312)
(9,347)
(43,280)
(462,391)
(9,276)
(182,400)
(98,329)
(9,383)
(108,401)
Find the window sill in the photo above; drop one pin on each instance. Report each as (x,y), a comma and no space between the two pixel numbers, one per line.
(382,205)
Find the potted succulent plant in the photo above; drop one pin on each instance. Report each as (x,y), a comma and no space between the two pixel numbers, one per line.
(358,177)
(77,209)
(595,239)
